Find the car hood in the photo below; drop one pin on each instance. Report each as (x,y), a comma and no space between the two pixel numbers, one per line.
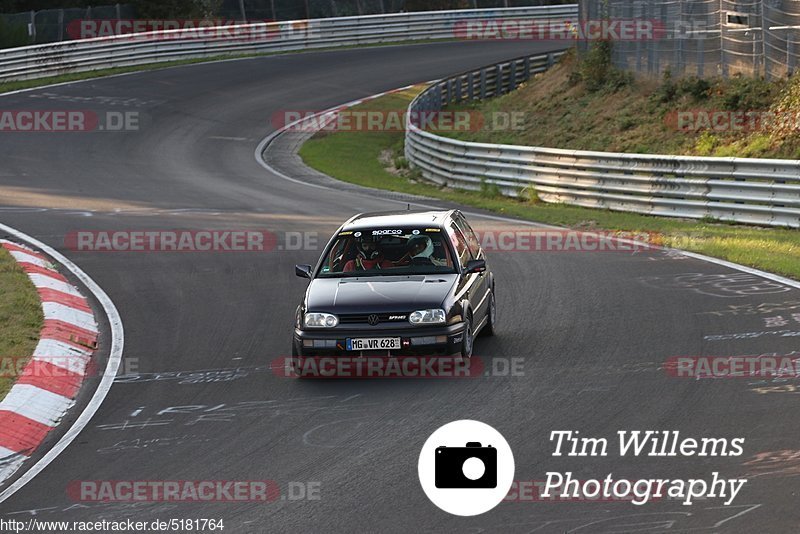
(379,293)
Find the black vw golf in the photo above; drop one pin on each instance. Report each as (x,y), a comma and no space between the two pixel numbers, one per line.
(397,283)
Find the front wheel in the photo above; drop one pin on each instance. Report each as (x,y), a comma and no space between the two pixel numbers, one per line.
(491,317)
(466,343)
(297,362)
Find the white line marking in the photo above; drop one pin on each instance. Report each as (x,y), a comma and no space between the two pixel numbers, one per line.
(763,274)
(114,360)
(10,461)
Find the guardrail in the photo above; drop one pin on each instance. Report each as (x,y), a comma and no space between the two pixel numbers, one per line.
(136,49)
(755,191)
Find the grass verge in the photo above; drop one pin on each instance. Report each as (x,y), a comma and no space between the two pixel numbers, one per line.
(560,108)
(20,319)
(374,159)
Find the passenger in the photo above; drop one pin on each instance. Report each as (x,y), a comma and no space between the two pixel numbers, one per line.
(369,257)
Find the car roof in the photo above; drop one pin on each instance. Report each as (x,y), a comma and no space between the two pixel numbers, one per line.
(387,219)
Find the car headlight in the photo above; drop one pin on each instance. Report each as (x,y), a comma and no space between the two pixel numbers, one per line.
(320,320)
(427,317)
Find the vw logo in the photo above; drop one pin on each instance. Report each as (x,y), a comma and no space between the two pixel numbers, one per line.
(373,319)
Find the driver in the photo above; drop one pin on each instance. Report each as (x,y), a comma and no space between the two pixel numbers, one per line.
(369,256)
(420,247)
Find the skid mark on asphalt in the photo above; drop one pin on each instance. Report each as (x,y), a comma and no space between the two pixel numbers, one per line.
(668,255)
(202,376)
(153,444)
(115,101)
(752,335)
(729,285)
(616,520)
(346,433)
(111,511)
(754,309)
(783,463)
(191,415)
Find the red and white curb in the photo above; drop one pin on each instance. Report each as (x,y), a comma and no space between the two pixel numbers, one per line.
(48,384)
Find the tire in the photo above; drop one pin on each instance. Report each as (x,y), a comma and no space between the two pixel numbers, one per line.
(297,361)
(469,340)
(491,317)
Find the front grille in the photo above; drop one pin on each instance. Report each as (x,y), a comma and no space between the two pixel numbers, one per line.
(363,318)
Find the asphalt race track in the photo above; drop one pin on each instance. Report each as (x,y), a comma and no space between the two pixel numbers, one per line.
(594,329)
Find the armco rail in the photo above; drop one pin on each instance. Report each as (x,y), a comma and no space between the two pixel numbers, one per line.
(134,49)
(755,191)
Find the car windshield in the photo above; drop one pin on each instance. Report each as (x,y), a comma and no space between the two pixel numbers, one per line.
(387,252)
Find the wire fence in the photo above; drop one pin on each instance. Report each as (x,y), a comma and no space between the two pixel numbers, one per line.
(53,25)
(706,37)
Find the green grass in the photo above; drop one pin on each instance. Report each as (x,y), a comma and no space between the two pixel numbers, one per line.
(356,157)
(20,318)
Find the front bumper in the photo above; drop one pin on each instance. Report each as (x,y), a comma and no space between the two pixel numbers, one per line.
(416,341)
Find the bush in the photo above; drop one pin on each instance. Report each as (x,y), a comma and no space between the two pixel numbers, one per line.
(167,9)
(529,194)
(597,72)
(668,90)
(742,93)
(706,144)
(671,90)
(401,163)
(595,66)
(787,104)
(12,36)
(697,88)
(489,190)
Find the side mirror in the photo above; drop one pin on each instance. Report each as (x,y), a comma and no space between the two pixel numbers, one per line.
(476,266)
(303,271)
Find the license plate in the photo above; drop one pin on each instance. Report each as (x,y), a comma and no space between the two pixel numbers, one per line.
(377,343)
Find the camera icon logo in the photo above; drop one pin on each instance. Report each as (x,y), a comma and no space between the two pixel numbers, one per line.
(472,466)
(466,468)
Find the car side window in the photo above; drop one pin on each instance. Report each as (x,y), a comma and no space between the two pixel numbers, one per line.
(459,243)
(472,240)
